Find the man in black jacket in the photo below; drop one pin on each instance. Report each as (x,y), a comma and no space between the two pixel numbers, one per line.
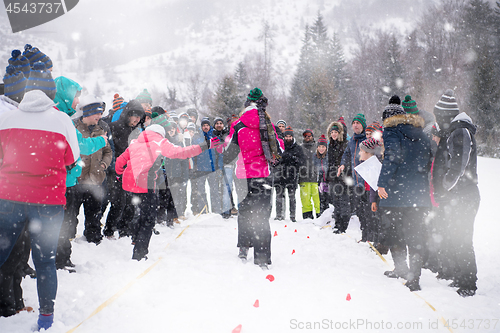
(120,132)
(456,192)
(287,179)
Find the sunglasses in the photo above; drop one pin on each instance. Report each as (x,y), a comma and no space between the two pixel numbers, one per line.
(308,136)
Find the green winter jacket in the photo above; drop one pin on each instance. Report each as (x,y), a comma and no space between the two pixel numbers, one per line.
(66,92)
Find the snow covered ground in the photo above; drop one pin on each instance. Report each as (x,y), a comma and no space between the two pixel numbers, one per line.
(194,282)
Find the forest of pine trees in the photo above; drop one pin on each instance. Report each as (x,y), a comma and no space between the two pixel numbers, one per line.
(456,45)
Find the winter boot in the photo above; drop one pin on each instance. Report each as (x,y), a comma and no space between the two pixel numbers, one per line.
(308,215)
(413,285)
(45,321)
(467,291)
(394,275)
(243,253)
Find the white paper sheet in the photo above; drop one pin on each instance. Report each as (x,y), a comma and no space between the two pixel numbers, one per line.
(370,170)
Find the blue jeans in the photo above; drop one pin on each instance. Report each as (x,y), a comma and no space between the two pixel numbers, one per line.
(44,225)
(227,189)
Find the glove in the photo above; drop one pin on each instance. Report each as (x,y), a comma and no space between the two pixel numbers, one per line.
(323,187)
(215,142)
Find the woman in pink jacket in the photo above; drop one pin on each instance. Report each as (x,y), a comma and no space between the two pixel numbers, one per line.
(255,143)
(140,165)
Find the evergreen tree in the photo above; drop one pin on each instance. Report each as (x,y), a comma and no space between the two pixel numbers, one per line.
(226,100)
(479,29)
(315,91)
(242,81)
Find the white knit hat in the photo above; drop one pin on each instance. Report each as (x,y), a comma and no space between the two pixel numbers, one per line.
(157,129)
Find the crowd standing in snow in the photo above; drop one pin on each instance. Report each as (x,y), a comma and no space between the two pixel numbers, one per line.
(58,152)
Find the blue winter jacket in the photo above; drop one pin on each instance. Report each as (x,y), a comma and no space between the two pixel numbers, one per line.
(406,164)
(206,161)
(351,156)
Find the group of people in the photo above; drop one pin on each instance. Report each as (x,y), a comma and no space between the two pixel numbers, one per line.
(423,202)
(58,152)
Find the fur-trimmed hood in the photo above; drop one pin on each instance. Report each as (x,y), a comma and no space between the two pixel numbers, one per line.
(342,134)
(408,119)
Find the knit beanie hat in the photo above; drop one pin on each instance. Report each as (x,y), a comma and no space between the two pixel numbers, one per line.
(373,127)
(218,119)
(361,118)
(191,126)
(15,83)
(409,105)
(372,146)
(144,97)
(157,129)
(334,128)
(173,115)
(392,110)
(91,105)
(395,100)
(20,62)
(288,131)
(307,131)
(322,141)
(281,121)
(205,120)
(41,79)
(34,55)
(192,113)
(157,111)
(117,102)
(342,121)
(446,109)
(255,94)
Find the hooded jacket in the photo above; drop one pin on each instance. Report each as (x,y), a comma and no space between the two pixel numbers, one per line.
(336,149)
(37,143)
(455,165)
(246,145)
(66,92)
(140,161)
(120,130)
(406,164)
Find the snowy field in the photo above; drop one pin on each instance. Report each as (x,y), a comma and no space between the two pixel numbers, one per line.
(194,282)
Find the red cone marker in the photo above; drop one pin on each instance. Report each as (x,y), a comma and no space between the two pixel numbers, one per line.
(270,278)
(275,233)
(285,225)
(348,298)
(295,230)
(256,304)
(293,251)
(237,329)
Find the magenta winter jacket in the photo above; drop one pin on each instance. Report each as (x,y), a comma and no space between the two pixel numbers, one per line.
(251,160)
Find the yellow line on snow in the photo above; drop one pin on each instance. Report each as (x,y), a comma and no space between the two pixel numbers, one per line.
(131,283)
(414,293)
